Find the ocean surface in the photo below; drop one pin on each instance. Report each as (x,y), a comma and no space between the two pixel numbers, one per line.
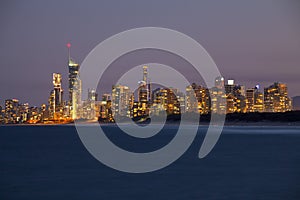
(248,162)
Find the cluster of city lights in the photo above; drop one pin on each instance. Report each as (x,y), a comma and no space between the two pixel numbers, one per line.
(121,103)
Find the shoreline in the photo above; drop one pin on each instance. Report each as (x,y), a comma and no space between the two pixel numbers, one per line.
(226,124)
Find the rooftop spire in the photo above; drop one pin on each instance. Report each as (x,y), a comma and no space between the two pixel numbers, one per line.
(69,50)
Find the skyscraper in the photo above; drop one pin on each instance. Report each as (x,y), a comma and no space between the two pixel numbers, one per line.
(276,98)
(55,101)
(105,112)
(254,100)
(197,99)
(235,97)
(250,99)
(218,96)
(166,99)
(229,87)
(58,92)
(51,102)
(259,105)
(1,115)
(121,100)
(92,95)
(12,112)
(191,103)
(89,106)
(74,86)
(144,93)
(219,82)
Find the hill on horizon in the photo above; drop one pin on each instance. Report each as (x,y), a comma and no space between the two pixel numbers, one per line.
(296,103)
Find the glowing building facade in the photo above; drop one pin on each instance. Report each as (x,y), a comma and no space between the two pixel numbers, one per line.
(12,111)
(90,107)
(121,100)
(218,96)
(144,97)
(166,99)
(276,98)
(197,99)
(235,97)
(56,105)
(74,87)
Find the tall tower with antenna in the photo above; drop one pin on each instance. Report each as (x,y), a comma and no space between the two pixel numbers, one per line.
(74,86)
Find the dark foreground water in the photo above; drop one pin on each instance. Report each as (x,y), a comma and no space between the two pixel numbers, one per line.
(50,162)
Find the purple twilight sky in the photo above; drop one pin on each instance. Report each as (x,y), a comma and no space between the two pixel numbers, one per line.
(250,41)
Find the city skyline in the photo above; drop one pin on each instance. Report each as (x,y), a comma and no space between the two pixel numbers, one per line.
(150,99)
(72,75)
(58,90)
(224,97)
(260,48)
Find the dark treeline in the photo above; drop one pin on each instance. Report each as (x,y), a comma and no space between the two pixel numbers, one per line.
(291,116)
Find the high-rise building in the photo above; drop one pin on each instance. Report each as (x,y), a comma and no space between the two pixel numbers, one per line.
(34,115)
(166,99)
(44,113)
(23,110)
(250,99)
(231,103)
(56,105)
(106,97)
(92,95)
(74,87)
(105,109)
(220,82)
(240,103)
(12,111)
(1,115)
(58,91)
(218,96)
(254,100)
(197,99)
(51,103)
(180,98)
(276,98)
(89,110)
(218,100)
(144,96)
(235,97)
(259,105)
(229,87)
(191,103)
(121,100)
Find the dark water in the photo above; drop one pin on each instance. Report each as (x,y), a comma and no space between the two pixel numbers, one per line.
(247,163)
